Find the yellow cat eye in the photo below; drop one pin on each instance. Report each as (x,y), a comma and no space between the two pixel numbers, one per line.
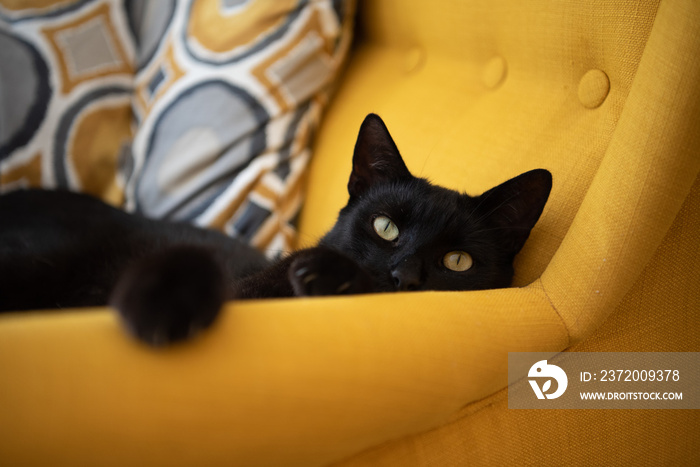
(457,261)
(385,228)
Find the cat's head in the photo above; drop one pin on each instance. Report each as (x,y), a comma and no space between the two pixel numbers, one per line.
(411,235)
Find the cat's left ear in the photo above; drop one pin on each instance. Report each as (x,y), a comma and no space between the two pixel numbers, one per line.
(516,205)
(376,158)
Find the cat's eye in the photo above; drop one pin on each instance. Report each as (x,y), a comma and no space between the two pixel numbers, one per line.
(385,228)
(458,261)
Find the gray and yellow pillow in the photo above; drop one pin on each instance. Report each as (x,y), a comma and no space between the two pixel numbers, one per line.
(196,110)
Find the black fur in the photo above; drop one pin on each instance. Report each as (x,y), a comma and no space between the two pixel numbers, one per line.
(168,280)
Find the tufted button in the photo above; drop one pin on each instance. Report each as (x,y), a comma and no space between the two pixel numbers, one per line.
(495,72)
(415,58)
(593,88)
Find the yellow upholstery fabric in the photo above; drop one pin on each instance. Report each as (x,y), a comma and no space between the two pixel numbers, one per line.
(659,314)
(473,93)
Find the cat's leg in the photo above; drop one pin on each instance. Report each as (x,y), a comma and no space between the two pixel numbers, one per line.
(322,271)
(171,295)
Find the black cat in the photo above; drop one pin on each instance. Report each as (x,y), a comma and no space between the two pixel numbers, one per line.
(168,280)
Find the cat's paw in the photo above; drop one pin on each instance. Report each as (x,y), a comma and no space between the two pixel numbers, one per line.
(321,271)
(170,296)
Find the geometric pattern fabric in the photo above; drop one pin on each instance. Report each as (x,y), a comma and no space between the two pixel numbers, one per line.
(195,110)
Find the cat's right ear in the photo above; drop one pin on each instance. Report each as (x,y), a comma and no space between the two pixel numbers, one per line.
(376,158)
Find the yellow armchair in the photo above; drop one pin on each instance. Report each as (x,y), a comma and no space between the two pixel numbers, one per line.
(605,96)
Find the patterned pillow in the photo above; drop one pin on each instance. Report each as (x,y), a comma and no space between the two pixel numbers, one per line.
(198,110)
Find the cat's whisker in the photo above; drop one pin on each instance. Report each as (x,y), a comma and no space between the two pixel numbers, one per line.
(425,161)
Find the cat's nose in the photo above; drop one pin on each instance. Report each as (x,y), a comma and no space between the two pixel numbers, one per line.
(407,274)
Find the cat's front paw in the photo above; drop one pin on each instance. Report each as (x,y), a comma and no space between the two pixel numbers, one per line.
(170,296)
(321,271)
